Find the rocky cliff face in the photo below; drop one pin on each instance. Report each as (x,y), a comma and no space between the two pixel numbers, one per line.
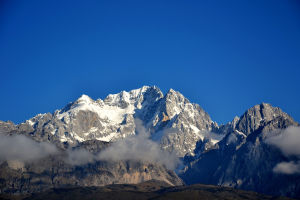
(50,172)
(56,171)
(243,159)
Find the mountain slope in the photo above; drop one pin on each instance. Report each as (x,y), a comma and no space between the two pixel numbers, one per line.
(244,159)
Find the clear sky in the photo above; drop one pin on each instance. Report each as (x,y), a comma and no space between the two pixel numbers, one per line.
(224,55)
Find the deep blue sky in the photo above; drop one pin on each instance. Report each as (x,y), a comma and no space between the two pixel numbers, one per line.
(224,55)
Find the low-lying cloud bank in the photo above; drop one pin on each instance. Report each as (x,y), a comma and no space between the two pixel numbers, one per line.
(22,148)
(288,141)
(80,157)
(139,147)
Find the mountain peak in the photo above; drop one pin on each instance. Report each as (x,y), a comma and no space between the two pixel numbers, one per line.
(265,111)
(175,96)
(84,99)
(253,118)
(134,97)
(173,92)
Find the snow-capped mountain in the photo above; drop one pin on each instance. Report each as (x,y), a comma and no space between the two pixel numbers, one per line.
(236,154)
(173,121)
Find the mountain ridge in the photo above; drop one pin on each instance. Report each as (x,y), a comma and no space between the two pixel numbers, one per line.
(113,117)
(210,153)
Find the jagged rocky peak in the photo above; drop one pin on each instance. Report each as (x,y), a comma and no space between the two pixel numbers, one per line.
(178,124)
(114,105)
(84,99)
(254,117)
(134,97)
(227,128)
(235,121)
(6,127)
(81,101)
(121,100)
(175,95)
(174,103)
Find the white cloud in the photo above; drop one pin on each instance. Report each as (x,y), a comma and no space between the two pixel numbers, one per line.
(139,147)
(287,167)
(288,141)
(22,148)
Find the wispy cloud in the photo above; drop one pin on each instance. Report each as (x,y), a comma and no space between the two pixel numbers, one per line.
(79,157)
(22,148)
(287,167)
(287,141)
(139,147)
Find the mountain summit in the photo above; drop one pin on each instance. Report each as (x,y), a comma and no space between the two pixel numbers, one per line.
(254,117)
(173,121)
